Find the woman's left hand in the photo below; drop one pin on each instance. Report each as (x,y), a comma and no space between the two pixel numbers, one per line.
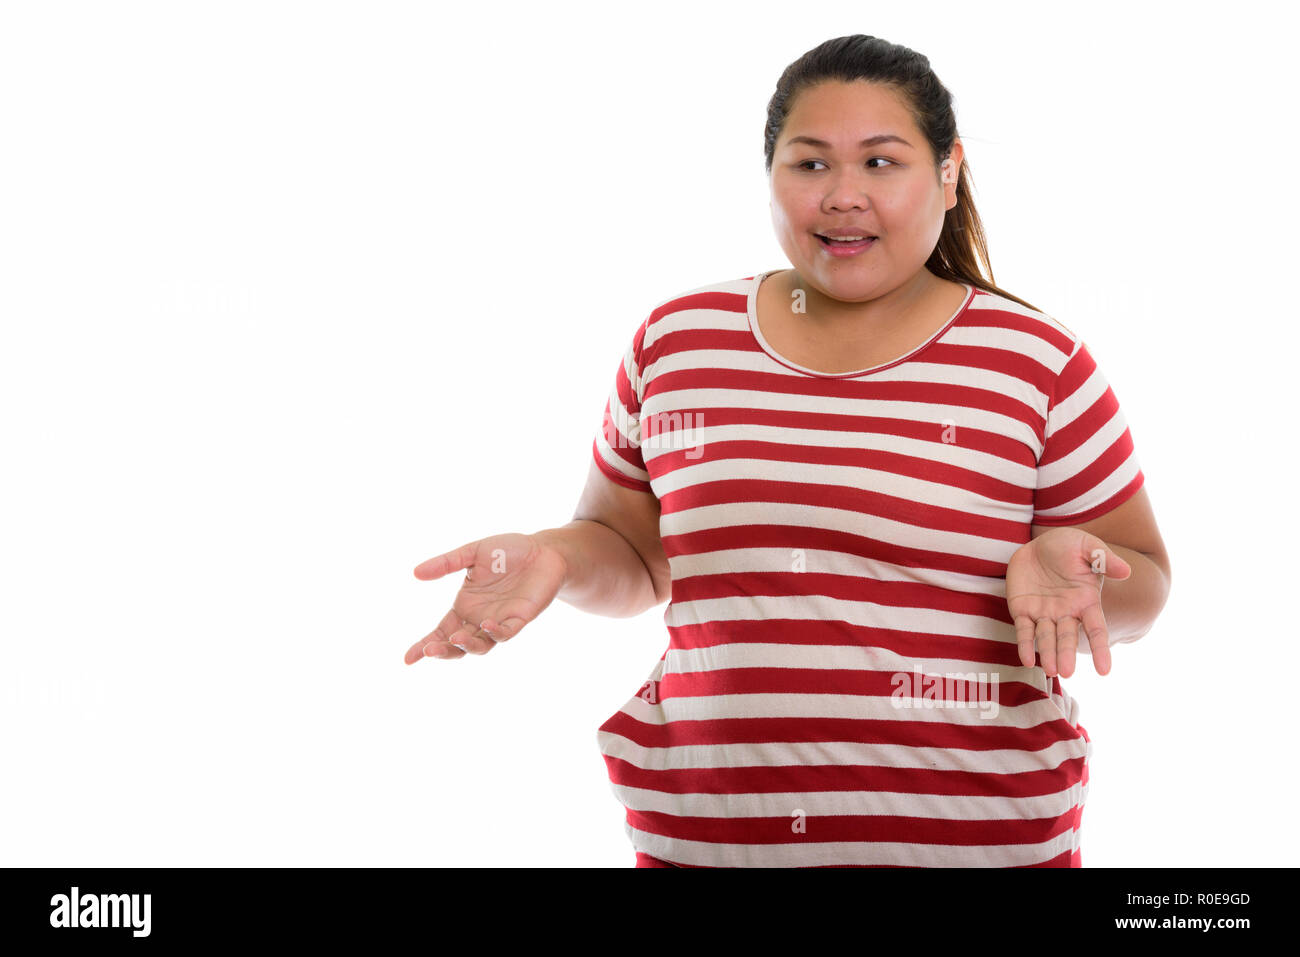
(1053,583)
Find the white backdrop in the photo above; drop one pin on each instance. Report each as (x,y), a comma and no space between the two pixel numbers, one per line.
(297,295)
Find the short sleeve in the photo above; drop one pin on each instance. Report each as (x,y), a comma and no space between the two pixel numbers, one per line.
(617,446)
(1088,466)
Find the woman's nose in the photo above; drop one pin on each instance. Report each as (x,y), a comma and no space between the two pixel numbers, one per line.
(849,191)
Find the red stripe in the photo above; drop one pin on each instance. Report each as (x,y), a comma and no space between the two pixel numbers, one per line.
(917,734)
(843,681)
(1089,478)
(851,827)
(645,860)
(847,587)
(906,644)
(993,318)
(829,539)
(810,779)
(991,443)
(616,476)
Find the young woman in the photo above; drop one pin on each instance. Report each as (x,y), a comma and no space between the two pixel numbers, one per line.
(880,495)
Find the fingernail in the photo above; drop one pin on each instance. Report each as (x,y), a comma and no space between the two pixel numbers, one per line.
(461,647)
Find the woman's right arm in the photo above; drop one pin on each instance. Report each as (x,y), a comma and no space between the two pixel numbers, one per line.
(614,558)
(608,560)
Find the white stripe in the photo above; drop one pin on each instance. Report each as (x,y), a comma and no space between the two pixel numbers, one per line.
(816,804)
(1070,407)
(925,412)
(787,753)
(918,370)
(822,608)
(1083,456)
(844,657)
(991,300)
(812,475)
(682,432)
(809,853)
(736,561)
(916,709)
(801,517)
(618,464)
(1028,344)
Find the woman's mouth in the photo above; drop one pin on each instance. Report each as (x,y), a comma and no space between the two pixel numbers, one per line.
(844,247)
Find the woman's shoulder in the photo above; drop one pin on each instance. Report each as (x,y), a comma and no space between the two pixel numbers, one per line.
(1024,317)
(726,295)
(709,306)
(735,284)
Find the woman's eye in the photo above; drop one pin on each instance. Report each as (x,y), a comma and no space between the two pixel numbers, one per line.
(874,159)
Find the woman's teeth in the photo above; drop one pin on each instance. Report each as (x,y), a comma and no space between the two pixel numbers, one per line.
(845,240)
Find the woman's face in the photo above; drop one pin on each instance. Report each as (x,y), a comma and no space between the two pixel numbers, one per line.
(887,189)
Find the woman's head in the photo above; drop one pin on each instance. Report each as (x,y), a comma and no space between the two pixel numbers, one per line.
(914,195)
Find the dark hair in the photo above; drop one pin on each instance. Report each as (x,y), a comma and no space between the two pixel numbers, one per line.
(962,246)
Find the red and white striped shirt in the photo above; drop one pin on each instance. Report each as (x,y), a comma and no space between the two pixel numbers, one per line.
(842,684)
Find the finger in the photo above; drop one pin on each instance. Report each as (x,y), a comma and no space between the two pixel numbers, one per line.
(492,632)
(1094,622)
(473,639)
(507,629)
(1025,640)
(438,643)
(1045,634)
(431,646)
(490,628)
(446,563)
(1067,642)
(503,620)
(441,650)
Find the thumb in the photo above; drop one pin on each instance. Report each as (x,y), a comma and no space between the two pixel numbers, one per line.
(1108,563)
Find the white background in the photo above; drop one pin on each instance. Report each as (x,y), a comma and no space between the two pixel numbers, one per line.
(297,295)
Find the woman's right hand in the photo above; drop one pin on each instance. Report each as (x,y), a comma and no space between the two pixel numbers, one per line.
(509,581)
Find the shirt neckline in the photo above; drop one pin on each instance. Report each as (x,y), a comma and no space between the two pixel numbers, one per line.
(751,308)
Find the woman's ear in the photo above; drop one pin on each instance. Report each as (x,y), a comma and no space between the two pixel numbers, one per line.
(950,172)
(952,165)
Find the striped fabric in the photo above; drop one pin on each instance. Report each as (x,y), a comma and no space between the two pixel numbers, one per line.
(841,685)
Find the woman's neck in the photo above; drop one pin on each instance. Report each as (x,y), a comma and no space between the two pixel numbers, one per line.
(847,321)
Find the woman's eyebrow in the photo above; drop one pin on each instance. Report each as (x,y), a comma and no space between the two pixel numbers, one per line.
(869,141)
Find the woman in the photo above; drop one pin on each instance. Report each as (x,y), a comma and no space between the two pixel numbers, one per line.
(874,486)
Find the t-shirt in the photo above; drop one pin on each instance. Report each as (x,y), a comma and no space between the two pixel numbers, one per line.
(842,684)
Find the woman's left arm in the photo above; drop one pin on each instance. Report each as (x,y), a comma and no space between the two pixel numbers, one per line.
(1049,582)
(1131,605)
